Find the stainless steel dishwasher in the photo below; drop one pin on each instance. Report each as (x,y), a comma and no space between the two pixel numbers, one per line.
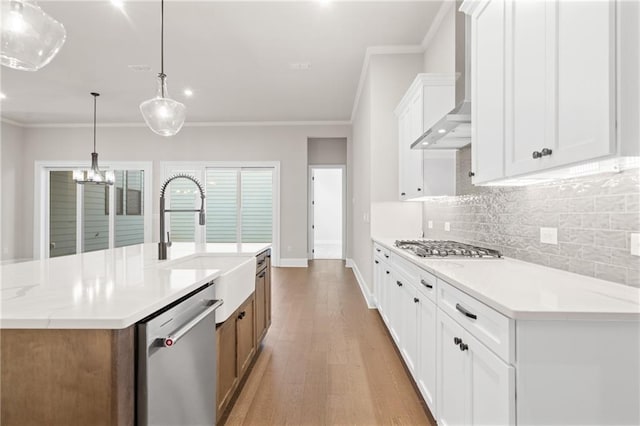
(177,364)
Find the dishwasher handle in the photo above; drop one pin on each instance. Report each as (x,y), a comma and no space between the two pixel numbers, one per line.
(172,339)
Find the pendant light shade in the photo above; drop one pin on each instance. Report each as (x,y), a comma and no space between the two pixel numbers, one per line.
(162,114)
(30,38)
(94,175)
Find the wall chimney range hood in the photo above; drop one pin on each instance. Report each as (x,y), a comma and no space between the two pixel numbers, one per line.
(453,131)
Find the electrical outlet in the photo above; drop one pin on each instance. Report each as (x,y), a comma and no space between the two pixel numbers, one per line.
(447,226)
(549,235)
(430,224)
(635,244)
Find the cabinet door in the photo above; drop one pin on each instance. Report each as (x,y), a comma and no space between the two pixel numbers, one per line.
(227,362)
(487,86)
(584,64)
(384,292)
(452,373)
(529,81)
(395,307)
(404,154)
(246,340)
(426,376)
(491,384)
(267,292)
(409,311)
(260,312)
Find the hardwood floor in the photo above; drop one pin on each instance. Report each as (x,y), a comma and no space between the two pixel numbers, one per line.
(327,359)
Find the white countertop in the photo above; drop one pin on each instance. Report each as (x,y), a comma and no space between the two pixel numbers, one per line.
(107,289)
(526,291)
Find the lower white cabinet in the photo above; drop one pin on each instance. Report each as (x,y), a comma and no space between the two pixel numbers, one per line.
(475,387)
(426,341)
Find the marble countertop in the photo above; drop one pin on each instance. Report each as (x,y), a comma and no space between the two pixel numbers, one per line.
(106,289)
(526,291)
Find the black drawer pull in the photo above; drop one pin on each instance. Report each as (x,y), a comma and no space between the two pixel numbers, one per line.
(386,255)
(378,250)
(465,312)
(261,262)
(376,262)
(261,275)
(399,283)
(426,284)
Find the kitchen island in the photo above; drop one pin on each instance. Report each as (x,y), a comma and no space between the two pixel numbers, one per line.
(68,327)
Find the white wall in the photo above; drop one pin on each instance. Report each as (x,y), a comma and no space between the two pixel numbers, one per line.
(287,144)
(327,151)
(440,53)
(375,154)
(327,194)
(13,193)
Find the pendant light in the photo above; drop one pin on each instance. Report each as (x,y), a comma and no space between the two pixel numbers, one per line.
(163,115)
(30,38)
(94,175)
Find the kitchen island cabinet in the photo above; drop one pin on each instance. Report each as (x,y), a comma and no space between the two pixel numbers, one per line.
(67,377)
(68,336)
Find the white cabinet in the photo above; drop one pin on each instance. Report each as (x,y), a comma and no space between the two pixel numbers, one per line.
(475,387)
(560,93)
(487,91)
(426,340)
(429,97)
(544,85)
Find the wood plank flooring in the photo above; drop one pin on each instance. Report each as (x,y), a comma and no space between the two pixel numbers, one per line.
(327,359)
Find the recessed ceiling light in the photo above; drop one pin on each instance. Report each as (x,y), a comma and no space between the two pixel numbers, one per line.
(425,143)
(118,4)
(3,96)
(442,131)
(188,92)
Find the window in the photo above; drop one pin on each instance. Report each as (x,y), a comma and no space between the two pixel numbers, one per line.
(239,205)
(79,217)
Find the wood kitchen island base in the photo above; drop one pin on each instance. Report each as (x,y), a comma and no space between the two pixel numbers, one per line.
(67,377)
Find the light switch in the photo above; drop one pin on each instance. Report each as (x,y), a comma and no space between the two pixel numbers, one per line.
(635,244)
(447,226)
(549,235)
(430,224)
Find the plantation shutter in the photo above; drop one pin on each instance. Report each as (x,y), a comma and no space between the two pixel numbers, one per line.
(222,205)
(257,205)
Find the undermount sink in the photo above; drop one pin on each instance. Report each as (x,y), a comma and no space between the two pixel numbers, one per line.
(236,282)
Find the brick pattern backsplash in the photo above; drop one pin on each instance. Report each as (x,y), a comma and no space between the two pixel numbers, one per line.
(595,217)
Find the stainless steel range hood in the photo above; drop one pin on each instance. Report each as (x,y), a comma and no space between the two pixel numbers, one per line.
(453,131)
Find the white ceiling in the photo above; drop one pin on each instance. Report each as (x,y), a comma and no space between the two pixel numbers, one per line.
(234,55)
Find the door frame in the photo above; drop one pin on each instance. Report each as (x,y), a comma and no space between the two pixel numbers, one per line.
(41,199)
(310,207)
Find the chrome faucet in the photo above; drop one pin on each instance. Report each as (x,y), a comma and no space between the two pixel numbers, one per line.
(162,245)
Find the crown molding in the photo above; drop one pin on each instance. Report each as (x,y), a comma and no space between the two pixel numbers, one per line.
(445,7)
(187,124)
(379,50)
(12,122)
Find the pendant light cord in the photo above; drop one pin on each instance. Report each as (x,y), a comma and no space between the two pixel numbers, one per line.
(162,74)
(95,97)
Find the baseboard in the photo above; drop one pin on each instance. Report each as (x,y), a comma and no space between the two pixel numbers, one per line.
(348,263)
(294,263)
(368,297)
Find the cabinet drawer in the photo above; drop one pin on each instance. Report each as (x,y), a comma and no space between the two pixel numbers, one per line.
(428,285)
(487,325)
(380,250)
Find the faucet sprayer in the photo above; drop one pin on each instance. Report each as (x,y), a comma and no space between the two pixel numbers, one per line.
(162,245)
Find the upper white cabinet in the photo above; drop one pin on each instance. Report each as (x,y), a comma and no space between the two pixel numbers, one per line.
(429,97)
(544,92)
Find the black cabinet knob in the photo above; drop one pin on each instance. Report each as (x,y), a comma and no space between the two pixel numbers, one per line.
(419,189)
(464,347)
(399,283)
(471,174)
(546,151)
(242,315)
(388,272)
(376,262)
(457,341)
(416,300)
(536,155)
(402,194)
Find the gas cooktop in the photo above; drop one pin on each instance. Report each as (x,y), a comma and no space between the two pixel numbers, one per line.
(440,248)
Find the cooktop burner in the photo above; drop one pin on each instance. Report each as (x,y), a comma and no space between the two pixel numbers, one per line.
(439,248)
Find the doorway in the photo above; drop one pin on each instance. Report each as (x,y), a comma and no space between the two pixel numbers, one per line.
(326,212)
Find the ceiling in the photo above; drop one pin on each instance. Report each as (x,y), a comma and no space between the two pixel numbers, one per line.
(236,56)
